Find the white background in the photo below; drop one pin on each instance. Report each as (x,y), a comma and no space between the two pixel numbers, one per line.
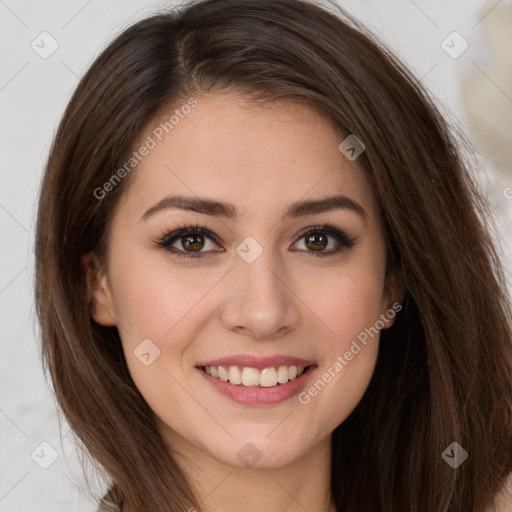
(33,95)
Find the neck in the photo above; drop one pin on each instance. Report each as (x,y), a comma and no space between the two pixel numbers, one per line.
(303,484)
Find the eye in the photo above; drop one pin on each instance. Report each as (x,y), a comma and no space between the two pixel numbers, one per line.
(320,238)
(189,241)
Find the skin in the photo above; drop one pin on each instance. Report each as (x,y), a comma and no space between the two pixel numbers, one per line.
(261,160)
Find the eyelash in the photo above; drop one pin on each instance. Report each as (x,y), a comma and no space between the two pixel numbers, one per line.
(344,241)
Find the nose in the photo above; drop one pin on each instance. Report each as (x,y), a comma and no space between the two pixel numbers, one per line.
(260,302)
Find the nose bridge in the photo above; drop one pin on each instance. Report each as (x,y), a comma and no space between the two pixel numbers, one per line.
(260,276)
(260,301)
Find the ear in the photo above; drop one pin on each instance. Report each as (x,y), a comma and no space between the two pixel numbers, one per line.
(393,297)
(100,296)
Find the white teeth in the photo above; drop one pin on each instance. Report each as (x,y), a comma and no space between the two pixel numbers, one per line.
(247,376)
(223,374)
(235,375)
(250,377)
(268,378)
(282,374)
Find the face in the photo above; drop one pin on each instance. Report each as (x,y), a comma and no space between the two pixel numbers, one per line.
(256,285)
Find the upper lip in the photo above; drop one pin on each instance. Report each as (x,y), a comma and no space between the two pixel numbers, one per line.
(257,362)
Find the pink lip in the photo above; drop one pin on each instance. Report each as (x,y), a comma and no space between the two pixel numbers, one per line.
(257,362)
(256,395)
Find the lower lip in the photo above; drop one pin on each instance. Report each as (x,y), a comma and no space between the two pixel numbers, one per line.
(255,395)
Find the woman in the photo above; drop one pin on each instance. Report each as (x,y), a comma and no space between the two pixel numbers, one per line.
(264,275)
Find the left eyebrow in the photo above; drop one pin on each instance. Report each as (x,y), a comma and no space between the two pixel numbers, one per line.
(312,207)
(222,209)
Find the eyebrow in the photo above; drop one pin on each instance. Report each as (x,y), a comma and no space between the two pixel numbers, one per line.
(229,211)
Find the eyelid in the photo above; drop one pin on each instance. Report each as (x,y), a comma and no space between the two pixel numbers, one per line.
(324,228)
(341,237)
(180,232)
(183,230)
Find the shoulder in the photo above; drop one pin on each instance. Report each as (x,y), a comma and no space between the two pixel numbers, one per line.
(503,501)
(108,507)
(109,502)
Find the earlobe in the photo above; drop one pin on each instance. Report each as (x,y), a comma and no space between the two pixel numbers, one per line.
(100,297)
(393,297)
(389,315)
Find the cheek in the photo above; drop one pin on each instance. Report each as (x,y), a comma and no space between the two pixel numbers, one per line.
(344,303)
(155,301)
(168,305)
(347,307)
(154,298)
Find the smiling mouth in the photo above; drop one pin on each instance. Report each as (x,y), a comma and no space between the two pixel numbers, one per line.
(253,377)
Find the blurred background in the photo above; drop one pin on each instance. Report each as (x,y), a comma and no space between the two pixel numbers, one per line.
(461,51)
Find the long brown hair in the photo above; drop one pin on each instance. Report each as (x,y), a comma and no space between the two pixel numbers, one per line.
(444,370)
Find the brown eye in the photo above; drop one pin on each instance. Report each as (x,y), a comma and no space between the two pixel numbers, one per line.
(193,242)
(324,241)
(190,241)
(316,241)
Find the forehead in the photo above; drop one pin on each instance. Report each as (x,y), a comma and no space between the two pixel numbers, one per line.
(258,157)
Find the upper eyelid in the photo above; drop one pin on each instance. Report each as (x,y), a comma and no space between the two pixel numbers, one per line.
(180,232)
